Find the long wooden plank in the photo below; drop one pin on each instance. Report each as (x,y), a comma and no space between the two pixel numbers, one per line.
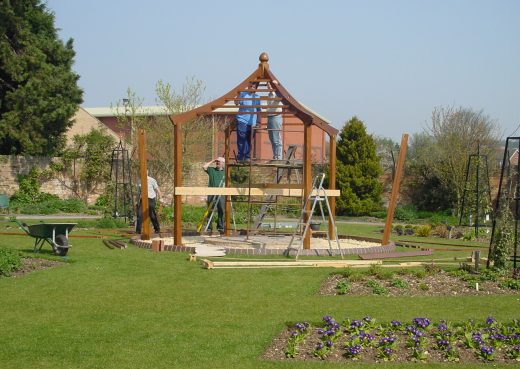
(209,264)
(236,191)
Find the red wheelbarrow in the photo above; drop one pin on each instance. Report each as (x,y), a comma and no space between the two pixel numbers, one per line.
(55,234)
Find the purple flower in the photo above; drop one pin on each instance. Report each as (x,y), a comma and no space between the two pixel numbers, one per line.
(477,337)
(421,322)
(490,320)
(327,318)
(396,323)
(487,350)
(356,324)
(319,346)
(294,334)
(442,327)
(354,350)
(387,340)
(388,351)
(443,343)
(498,337)
(367,319)
(329,343)
(320,331)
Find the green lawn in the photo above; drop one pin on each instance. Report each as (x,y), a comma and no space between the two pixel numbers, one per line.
(137,309)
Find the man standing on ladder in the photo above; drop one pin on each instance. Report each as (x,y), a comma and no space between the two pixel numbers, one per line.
(215,179)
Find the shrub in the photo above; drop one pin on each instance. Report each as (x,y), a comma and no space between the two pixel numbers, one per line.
(379,214)
(342,287)
(441,231)
(405,213)
(502,247)
(399,283)
(9,261)
(399,229)
(431,268)
(513,284)
(110,223)
(72,206)
(423,287)
(423,231)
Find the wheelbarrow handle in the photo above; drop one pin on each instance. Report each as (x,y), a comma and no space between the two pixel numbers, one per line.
(23,226)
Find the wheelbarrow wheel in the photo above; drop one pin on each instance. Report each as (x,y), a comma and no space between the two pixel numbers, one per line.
(61,240)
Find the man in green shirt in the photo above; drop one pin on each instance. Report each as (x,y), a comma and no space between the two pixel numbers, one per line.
(216,179)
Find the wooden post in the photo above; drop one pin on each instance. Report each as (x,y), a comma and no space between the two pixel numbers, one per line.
(177,172)
(145,213)
(307,177)
(332,183)
(395,190)
(227,173)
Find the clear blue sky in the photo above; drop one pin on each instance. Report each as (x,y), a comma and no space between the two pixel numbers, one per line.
(388,62)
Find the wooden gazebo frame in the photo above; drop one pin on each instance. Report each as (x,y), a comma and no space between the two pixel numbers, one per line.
(220,106)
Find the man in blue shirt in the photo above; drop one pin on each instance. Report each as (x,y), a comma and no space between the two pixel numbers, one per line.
(245,122)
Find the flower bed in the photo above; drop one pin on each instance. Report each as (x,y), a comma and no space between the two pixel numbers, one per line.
(420,340)
(420,283)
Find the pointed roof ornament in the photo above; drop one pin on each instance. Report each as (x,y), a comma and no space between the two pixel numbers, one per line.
(264,65)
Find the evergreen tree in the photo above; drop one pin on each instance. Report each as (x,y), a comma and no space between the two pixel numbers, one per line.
(38,89)
(358,170)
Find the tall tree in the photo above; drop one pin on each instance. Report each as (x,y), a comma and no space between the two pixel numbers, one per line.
(38,89)
(421,186)
(456,133)
(358,170)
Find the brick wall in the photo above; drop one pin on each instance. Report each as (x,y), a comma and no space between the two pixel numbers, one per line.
(13,166)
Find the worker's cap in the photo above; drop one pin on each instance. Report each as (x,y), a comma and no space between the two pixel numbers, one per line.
(221,159)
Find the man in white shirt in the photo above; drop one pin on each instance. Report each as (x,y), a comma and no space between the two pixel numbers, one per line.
(153,193)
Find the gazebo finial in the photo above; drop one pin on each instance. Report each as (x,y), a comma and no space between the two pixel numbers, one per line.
(264,58)
(264,65)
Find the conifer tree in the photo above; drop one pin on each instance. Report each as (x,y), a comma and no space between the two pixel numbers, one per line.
(358,170)
(38,89)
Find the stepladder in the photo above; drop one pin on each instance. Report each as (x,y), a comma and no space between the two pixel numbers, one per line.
(316,198)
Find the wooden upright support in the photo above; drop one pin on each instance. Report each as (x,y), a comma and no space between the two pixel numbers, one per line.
(332,184)
(143,174)
(395,190)
(227,168)
(177,199)
(307,178)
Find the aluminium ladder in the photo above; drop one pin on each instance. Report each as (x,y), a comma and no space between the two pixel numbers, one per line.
(317,196)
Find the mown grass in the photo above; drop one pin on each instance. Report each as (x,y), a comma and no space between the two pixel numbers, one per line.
(137,309)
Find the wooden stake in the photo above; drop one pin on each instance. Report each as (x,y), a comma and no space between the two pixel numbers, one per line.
(177,199)
(332,184)
(145,213)
(227,173)
(307,178)
(395,190)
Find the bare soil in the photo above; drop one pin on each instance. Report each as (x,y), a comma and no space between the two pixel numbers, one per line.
(33,264)
(439,284)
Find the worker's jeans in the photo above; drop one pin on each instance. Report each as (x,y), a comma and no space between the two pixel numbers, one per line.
(243,140)
(274,126)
